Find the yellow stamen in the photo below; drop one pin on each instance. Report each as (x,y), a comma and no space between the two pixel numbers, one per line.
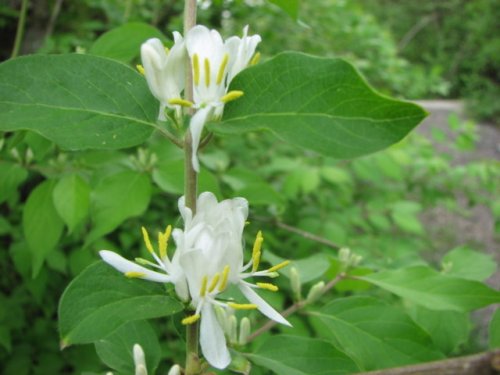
(255,59)
(163,241)
(135,274)
(207,72)
(140,69)
(242,306)
(203,289)
(147,241)
(196,69)
(256,253)
(190,319)
(181,102)
(231,95)
(225,275)
(267,286)
(168,231)
(279,266)
(222,68)
(214,282)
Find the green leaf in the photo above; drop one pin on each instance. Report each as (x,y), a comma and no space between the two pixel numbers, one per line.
(495,330)
(319,104)
(448,329)
(42,226)
(124,42)
(469,264)
(405,215)
(289,6)
(310,268)
(294,355)
(11,176)
(117,198)
(424,286)
(100,300)
(77,101)
(374,334)
(72,199)
(116,349)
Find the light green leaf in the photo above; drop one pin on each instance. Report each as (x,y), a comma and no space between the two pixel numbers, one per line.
(294,355)
(289,6)
(42,226)
(319,104)
(72,199)
(424,286)
(11,176)
(310,268)
(469,264)
(100,300)
(448,329)
(116,351)
(124,42)
(495,330)
(117,198)
(77,101)
(405,215)
(374,334)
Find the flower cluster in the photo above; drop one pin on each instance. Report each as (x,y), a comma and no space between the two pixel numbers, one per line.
(208,258)
(214,64)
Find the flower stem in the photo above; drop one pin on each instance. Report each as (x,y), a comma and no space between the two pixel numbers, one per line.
(190,186)
(20,29)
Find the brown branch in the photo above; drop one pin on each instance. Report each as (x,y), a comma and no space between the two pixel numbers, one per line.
(294,308)
(487,363)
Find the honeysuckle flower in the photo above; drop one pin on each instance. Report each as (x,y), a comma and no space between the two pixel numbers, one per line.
(212,259)
(139,360)
(214,64)
(164,70)
(168,271)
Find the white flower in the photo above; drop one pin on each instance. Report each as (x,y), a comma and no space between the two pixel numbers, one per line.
(170,270)
(214,64)
(212,258)
(139,360)
(164,70)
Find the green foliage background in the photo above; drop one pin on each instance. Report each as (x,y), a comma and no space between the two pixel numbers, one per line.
(58,208)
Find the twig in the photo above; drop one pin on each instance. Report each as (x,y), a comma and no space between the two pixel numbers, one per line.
(20,29)
(53,17)
(300,232)
(205,141)
(414,31)
(487,363)
(294,308)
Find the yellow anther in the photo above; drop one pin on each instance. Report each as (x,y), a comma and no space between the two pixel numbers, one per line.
(181,102)
(135,274)
(163,241)
(256,253)
(255,59)
(267,286)
(231,95)
(140,69)
(242,306)
(168,231)
(222,69)
(190,319)
(203,289)
(207,72)
(279,266)
(225,275)
(215,281)
(147,241)
(196,69)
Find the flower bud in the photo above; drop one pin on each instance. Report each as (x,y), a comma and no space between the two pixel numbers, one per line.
(344,255)
(295,283)
(233,329)
(315,292)
(175,370)
(245,328)
(139,360)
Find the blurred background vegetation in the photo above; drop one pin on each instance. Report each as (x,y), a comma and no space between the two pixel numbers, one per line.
(376,205)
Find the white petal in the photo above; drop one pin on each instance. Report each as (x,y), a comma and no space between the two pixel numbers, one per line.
(123,265)
(138,355)
(263,306)
(196,127)
(212,340)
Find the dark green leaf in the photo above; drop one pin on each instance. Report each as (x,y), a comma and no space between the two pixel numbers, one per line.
(116,349)
(424,286)
(124,42)
(294,355)
(100,300)
(317,103)
(77,101)
(495,330)
(11,176)
(42,226)
(375,334)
